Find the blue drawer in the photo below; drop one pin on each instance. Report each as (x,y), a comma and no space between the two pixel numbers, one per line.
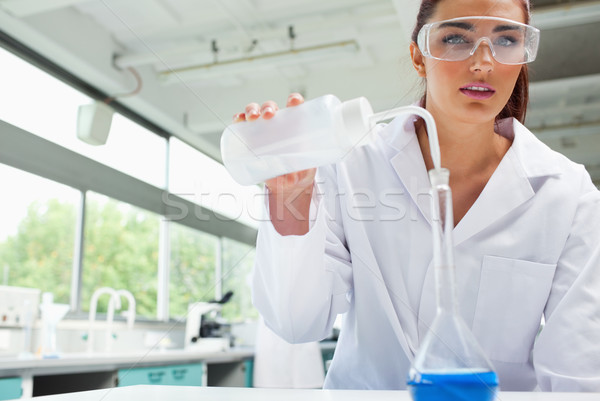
(10,388)
(174,375)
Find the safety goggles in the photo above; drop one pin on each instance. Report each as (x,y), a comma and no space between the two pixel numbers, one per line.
(457,39)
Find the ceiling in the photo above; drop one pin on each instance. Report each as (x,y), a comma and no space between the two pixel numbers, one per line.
(347,47)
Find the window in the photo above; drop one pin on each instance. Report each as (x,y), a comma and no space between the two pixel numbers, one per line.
(199,179)
(37,232)
(192,268)
(130,148)
(238,260)
(120,244)
(120,251)
(55,106)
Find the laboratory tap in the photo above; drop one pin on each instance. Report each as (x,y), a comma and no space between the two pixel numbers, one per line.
(114,302)
(130,307)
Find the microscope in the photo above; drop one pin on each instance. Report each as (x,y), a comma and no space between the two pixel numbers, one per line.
(203,330)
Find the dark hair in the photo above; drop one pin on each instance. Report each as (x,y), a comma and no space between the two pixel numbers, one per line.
(517,103)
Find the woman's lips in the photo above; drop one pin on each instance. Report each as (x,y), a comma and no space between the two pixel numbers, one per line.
(478,91)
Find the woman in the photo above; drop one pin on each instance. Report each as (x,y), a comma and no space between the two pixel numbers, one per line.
(354,238)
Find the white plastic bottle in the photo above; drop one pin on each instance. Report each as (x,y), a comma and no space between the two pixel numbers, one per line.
(318,132)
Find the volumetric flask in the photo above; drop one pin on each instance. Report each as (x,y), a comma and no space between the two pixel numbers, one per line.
(449,365)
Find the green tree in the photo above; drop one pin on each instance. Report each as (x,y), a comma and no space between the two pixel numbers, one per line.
(192,268)
(40,254)
(238,260)
(121,251)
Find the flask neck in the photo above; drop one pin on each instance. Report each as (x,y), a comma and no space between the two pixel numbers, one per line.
(442,226)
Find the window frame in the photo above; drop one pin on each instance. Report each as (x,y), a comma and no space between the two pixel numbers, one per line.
(28,152)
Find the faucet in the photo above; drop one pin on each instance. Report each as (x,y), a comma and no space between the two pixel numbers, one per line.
(130,307)
(114,302)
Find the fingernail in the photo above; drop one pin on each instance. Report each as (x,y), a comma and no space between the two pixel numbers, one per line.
(268,110)
(237,116)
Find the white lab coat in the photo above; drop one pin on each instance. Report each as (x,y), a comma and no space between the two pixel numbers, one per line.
(529,246)
(279,364)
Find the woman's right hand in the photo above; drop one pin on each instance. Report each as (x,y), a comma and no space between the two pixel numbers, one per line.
(288,182)
(289,194)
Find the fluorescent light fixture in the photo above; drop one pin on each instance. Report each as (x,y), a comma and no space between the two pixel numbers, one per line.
(262,61)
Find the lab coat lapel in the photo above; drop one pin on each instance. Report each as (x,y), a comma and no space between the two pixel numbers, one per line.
(506,190)
(409,166)
(509,187)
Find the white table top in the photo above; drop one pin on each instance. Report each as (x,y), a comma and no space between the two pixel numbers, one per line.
(161,393)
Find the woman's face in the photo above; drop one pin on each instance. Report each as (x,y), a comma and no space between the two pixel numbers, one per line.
(447,80)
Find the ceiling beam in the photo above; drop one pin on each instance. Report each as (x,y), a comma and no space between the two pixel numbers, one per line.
(566,15)
(594,171)
(571,114)
(570,131)
(556,88)
(312,27)
(25,8)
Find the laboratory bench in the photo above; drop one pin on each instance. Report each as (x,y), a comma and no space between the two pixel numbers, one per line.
(81,372)
(161,393)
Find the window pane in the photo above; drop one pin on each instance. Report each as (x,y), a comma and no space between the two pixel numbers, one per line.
(55,106)
(132,149)
(120,251)
(192,268)
(37,232)
(238,260)
(199,179)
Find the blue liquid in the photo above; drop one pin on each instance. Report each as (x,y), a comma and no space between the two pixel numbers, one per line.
(454,386)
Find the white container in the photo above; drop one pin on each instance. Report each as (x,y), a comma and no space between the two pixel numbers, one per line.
(318,132)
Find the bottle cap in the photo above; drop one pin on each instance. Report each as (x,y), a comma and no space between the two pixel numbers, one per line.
(356,124)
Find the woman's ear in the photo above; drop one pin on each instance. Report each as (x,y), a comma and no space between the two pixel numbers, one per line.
(418,60)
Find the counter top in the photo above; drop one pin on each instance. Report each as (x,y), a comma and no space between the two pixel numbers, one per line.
(101,361)
(84,362)
(161,393)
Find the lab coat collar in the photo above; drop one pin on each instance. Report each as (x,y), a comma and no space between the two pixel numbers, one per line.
(535,158)
(508,188)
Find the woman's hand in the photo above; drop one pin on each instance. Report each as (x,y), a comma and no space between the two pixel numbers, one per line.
(289,194)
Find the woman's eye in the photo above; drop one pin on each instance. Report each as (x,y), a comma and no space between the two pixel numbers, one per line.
(454,40)
(506,41)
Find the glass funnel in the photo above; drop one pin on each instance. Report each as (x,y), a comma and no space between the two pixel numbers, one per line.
(449,365)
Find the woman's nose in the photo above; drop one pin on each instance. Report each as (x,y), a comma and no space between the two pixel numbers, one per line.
(482,59)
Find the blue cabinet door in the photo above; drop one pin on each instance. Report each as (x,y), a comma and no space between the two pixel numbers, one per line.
(249,372)
(185,375)
(10,388)
(174,375)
